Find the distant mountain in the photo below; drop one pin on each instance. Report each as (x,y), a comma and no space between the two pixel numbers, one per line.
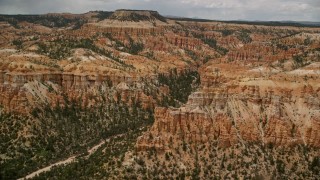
(136,15)
(76,20)
(278,23)
(266,23)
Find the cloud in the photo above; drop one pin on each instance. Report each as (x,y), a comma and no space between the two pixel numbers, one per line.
(302,10)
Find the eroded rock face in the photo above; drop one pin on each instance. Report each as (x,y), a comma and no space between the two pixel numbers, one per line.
(246,110)
(20,92)
(230,119)
(136,15)
(254,85)
(119,31)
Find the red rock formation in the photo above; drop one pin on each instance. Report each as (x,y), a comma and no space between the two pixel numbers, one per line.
(248,99)
(14,93)
(238,114)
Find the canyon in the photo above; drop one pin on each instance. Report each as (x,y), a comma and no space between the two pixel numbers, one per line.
(258,84)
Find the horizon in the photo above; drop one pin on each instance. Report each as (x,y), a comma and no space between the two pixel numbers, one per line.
(167,16)
(230,10)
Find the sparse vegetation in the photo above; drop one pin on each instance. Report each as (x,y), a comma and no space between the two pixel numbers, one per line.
(103,15)
(79,88)
(59,132)
(180,86)
(135,47)
(60,49)
(226,32)
(17,43)
(212,43)
(244,36)
(45,20)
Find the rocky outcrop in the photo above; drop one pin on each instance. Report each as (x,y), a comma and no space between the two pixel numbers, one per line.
(237,114)
(13,99)
(312,132)
(247,93)
(184,42)
(16,97)
(119,31)
(136,15)
(259,52)
(66,80)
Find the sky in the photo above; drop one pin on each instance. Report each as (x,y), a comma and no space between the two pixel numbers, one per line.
(264,10)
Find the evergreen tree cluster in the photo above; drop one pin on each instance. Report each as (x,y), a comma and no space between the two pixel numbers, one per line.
(51,21)
(180,85)
(105,163)
(61,48)
(63,131)
(132,48)
(212,43)
(135,47)
(244,36)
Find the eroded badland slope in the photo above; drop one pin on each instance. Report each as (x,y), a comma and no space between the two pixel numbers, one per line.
(191,99)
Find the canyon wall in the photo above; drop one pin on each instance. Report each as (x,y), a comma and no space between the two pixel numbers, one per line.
(242,117)
(19,92)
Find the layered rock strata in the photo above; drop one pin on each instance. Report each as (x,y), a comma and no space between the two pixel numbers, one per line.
(19,91)
(230,118)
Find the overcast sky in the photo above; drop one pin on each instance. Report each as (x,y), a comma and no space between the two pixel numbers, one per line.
(298,10)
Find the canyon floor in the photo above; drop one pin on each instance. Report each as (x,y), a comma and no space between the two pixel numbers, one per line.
(174,98)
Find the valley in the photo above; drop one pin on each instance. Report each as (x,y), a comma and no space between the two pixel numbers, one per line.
(172,98)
